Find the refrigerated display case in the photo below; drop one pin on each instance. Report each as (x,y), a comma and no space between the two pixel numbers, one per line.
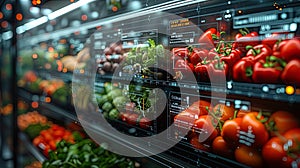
(167,83)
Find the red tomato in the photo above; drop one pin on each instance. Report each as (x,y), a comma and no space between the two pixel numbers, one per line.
(253,131)
(58,133)
(293,136)
(37,140)
(277,47)
(47,136)
(124,116)
(132,119)
(230,130)
(52,144)
(43,133)
(221,147)
(241,113)
(274,153)
(248,156)
(196,144)
(203,106)
(194,109)
(291,50)
(56,127)
(204,125)
(282,121)
(223,112)
(145,123)
(184,120)
(67,135)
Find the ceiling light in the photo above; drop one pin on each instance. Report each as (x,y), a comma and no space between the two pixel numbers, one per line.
(68,8)
(36,22)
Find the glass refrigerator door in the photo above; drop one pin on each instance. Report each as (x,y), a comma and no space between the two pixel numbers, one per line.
(204,83)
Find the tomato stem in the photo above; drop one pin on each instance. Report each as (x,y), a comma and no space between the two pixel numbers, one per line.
(261,118)
(235,114)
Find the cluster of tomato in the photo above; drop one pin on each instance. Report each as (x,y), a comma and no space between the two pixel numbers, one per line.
(132,118)
(247,59)
(47,139)
(253,138)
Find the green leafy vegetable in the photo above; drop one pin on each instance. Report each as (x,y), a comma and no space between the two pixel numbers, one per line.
(85,154)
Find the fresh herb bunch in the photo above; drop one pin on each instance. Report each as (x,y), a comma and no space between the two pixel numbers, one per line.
(85,154)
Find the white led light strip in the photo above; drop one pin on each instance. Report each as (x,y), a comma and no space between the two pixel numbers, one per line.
(68,8)
(145,11)
(51,16)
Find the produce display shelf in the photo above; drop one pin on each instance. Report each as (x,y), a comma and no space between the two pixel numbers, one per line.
(273,92)
(164,160)
(59,113)
(31,148)
(276,92)
(176,152)
(50,109)
(67,77)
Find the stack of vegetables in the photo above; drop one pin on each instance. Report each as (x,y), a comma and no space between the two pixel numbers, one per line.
(246,59)
(7,108)
(273,60)
(110,100)
(47,139)
(126,105)
(140,60)
(140,108)
(256,139)
(112,56)
(57,89)
(32,123)
(30,81)
(65,148)
(44,133)
(85,153)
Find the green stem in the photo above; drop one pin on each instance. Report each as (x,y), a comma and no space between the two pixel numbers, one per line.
(278,60)
(214,37)
(244,31)
(204,61)
(249,71)
(190,48)
(235,114)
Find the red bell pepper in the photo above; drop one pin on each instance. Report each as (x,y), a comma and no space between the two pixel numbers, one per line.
(243,70)
(183,66)
(201,70)
(218,69)
(245,38)
(207,39)
(212,54)
(232,58)
(197,55)
(245,33)
(259,52)
(291,50)
(290,74)
(274,38)
(268,70)
(223,47)
(278,47)
(180,52)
